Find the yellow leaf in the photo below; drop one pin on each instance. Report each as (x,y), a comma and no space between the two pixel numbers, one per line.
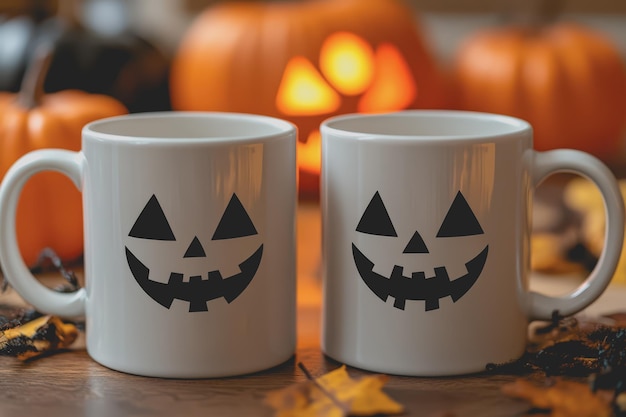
(334,394)
(44,334)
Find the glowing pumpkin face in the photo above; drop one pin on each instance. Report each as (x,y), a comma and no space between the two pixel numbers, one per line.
(152,224)
(305,61)
(379,80)
(459,221)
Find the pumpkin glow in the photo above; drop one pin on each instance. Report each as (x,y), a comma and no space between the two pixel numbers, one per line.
(393,88)
(348,65)
(304,62)
(303,91)
(348,62)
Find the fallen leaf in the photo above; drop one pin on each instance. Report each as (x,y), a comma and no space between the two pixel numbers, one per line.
(574,347)
(549,252)
(41,335)
(562,399)
(334,394)
(582,196)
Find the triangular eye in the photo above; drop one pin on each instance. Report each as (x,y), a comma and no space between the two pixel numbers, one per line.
(152,223)
(375,219)
(393,87)
(460,220)
(416,245)
(303,91)
(235,222)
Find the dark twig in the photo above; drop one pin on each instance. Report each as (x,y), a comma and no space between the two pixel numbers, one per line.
(5,284)
(69,276)
(48,254)
(327,393)
(32,87)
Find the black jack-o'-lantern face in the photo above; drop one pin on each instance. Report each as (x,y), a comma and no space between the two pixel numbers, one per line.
(459,221)
(152,224)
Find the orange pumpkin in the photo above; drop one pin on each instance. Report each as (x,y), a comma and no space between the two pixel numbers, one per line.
(568,81)
(305,61)
(49,212)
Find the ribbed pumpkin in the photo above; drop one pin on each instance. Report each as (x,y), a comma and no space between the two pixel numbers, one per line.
(305,61)
(49,212)
(568,81)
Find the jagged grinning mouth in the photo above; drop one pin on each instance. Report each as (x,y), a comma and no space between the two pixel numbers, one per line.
(417,286)
(197,291)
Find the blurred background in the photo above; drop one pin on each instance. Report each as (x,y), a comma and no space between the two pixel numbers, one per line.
(445,22)
(560,64)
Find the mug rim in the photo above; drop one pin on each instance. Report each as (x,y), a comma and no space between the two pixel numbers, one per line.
(98,128)
(510,126)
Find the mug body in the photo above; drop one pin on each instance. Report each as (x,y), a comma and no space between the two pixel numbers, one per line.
(190,243)
(426,227)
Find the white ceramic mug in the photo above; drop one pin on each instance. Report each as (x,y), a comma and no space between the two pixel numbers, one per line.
(426,230)
(189,242)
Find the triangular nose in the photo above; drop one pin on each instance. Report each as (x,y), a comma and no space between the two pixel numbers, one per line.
(195,249)
(416,245)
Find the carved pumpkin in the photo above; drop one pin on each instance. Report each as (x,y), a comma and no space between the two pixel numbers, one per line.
(459,221)
(305,61)
(49,213)
(152,224)
(569,82)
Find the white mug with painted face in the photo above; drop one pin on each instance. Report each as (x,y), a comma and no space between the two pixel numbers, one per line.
(189,242)
(426,227)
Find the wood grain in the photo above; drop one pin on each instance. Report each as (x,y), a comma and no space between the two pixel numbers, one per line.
(72,384)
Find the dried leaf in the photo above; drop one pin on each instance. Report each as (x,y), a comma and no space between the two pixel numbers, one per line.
(562,399)
(582,196)
(44,334)
(550,254)
(334,394)
(575,347)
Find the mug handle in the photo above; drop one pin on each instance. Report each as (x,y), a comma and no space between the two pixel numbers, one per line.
(15,270)
(541,307)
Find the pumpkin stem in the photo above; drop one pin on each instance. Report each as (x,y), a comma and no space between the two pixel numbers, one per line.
(533,15)
(547,12)
(68,11)
(31,89)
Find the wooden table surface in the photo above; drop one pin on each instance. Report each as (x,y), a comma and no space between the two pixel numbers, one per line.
(70,383)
